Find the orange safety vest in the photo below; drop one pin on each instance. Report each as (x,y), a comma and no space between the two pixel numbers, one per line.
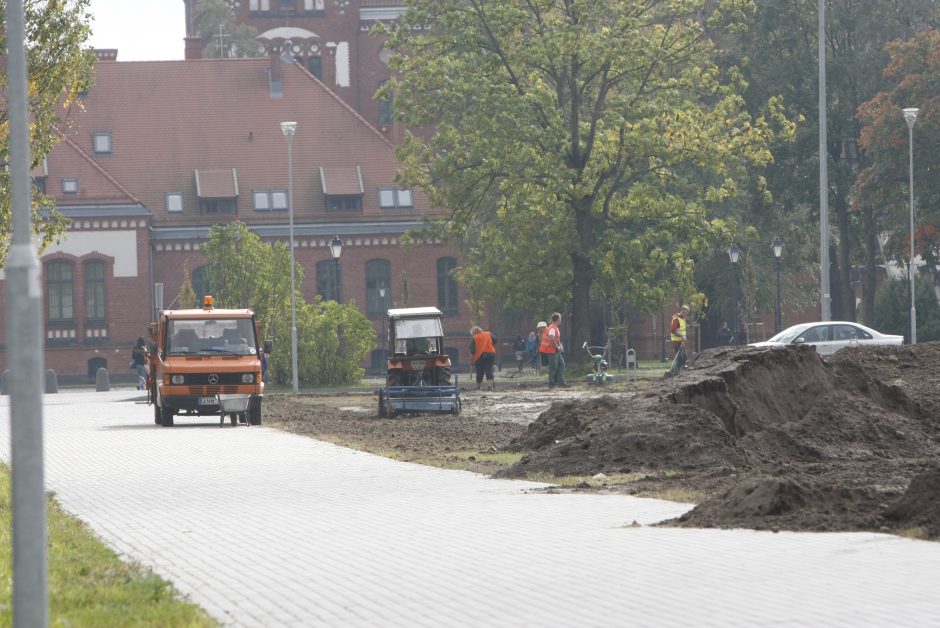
(548,344)
(483,343)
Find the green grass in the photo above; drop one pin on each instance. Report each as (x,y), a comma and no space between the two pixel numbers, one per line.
(88,584)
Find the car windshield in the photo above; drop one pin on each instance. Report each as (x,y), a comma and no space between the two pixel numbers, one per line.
(418,328)
(789,334)
(234,336)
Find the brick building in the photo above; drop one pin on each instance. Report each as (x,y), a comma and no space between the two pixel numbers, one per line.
(160,151)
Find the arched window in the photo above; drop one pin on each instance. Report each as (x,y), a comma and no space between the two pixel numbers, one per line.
(328,279)
(446,285)
(95,301)
(200,281)
(60,292)
(378,271)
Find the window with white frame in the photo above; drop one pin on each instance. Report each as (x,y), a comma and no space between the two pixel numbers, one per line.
(259,5)
(102,143)
(269,200)
(393,198)
(174,201)
(70,186)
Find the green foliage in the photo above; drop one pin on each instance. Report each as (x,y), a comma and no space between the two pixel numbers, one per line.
(245,272)
(578,145)
(88,584)
(59,67)
(187,298)
(893,309)
(332,341)
(235,41)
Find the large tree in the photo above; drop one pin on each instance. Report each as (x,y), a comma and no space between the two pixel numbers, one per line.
(576,144)
(224,36)
(58,70)
(778,56)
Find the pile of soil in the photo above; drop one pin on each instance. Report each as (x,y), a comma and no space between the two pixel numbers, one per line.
(774,439)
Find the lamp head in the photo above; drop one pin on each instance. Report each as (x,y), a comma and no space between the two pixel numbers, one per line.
(734,252)
(336,247)
(778,247)
(288,129)
(910,115)
(381,289)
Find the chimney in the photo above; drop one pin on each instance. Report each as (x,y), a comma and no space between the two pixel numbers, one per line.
(106,54)
(193,47)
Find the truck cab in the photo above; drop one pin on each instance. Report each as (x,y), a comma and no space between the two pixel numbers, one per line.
(200,354)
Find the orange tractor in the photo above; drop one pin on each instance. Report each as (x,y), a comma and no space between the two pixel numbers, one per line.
(418,373)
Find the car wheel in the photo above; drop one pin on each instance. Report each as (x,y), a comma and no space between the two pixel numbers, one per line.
(166,416)
(254,412)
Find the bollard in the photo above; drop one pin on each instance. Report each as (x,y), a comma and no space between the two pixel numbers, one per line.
(4,382)
(102,380)
(52,382)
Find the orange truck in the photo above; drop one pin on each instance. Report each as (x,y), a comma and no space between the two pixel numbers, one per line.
(206,362)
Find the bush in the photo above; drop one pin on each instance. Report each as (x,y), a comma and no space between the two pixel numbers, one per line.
(893,309)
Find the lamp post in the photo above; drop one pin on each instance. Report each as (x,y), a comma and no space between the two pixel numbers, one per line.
(382,299)
(336,249)
(824,297)
(734,252)
(910,115)
(288,129)
(778,251)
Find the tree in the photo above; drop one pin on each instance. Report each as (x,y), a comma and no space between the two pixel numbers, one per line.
(245,272)
(885,137)
(217,24)
(778,56)
(58,69)
(575,144)
(893,310)
(187,297)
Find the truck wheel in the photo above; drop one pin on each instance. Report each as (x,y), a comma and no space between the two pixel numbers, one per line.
(383,405)
(166,416)
(254,412)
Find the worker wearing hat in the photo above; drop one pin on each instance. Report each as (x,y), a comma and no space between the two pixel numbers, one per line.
(678,334)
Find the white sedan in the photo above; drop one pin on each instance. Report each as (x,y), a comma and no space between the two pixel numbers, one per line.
(829,337)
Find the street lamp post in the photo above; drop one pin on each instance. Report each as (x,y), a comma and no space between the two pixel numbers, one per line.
(289,128)
(382,299)
(336,249)
(734,252)
(910,115)
(778,251)
(825,301)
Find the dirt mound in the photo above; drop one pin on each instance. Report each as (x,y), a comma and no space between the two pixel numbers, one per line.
(919,506)
(804,442)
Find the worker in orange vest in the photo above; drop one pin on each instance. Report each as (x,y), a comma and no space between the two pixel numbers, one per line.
(551,345)
(483,355)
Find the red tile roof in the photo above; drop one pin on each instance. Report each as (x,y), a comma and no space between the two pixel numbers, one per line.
(216,183)
(170,118)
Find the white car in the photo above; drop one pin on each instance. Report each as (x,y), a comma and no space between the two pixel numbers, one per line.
(829,337)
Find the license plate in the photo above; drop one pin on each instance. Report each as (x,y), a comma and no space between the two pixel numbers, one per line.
(208,401)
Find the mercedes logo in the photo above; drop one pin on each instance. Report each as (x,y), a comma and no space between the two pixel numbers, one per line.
(213,379)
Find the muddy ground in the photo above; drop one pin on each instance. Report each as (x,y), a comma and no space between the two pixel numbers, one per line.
(765,439)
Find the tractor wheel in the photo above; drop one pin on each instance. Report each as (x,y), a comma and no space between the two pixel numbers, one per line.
(166,416)
(254,412)
(383,404)
(442,375)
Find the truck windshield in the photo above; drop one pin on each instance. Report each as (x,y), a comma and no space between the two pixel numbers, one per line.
(418,328)
(213,335)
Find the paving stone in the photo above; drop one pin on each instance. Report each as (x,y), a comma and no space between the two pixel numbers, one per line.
(264,528)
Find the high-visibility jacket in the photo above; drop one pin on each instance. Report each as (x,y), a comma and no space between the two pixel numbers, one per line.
(678,333)
(548,344)
(482,343)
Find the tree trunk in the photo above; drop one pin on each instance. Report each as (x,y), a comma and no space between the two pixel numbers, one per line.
(845,293)
(583,278)
(870,279)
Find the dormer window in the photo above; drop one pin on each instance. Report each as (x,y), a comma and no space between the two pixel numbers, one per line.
(101,142)
(393,198)
(217,191)
(174,202)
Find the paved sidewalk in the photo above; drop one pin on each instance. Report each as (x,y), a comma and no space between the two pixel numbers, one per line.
(264,528)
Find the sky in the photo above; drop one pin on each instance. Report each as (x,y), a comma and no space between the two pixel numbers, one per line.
(141,30)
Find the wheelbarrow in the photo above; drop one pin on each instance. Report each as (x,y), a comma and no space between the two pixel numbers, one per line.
(236,407)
